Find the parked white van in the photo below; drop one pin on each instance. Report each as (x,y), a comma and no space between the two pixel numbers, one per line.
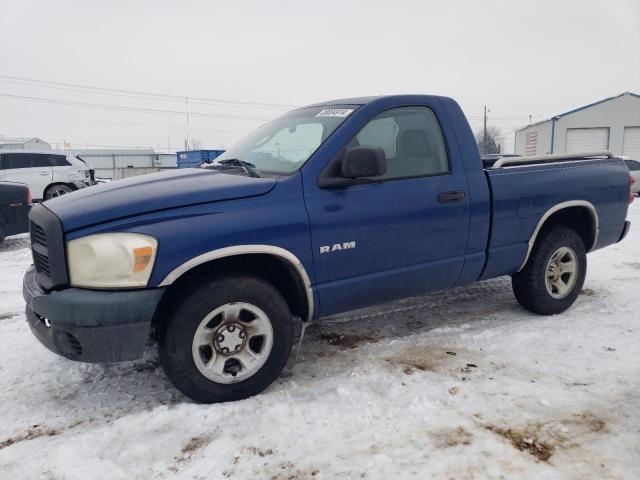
(47,173)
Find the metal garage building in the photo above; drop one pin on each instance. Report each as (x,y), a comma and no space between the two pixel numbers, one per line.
(611,124)
(117,164)
(23,143)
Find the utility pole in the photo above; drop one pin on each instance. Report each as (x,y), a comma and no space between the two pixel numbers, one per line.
(484,136)
(186,110)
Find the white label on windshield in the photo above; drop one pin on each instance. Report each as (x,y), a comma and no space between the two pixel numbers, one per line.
(335,112)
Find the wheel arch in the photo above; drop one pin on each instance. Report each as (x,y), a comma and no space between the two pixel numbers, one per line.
(276,265)
(52,184)
(580,215)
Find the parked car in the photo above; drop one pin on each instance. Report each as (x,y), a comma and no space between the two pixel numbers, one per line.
(47,173)
(326,209)
(634,170)
(15,202)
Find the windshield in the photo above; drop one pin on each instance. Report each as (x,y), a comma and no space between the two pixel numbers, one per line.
(284,144)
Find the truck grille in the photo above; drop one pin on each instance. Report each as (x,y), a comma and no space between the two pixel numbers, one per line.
(38,235)
(39,249)
(41,262)
(47,247)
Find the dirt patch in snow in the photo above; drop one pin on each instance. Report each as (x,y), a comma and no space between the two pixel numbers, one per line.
(7,316)
(15,243)
(30,433)
(448,438)
(288,471)
(432,359)
(542,439)
(347,340)
(587,292)
(419,358)
(274,468)
(525,440)
(634,265)
(261,452)
(190,448)
(593,423)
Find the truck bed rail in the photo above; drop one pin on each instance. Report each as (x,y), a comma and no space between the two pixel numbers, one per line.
(555,157)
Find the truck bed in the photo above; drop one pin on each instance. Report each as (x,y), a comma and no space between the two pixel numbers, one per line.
(521,196)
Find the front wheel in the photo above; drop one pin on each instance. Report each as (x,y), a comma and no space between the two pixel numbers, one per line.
(57,191)
(554,274)
(227,340)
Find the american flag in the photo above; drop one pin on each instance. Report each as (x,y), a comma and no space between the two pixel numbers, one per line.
(531,145)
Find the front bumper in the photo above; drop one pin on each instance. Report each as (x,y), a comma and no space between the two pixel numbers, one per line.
(92,326)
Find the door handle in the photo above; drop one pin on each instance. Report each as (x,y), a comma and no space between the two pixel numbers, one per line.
(43,173)
(453,196)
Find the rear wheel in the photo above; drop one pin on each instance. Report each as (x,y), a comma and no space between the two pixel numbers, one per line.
(227,340)
(57,191)
(554,274)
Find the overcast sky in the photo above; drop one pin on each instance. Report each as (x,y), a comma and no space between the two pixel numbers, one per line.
(519,58)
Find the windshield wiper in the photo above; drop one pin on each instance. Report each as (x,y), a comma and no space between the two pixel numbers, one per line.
(236,162)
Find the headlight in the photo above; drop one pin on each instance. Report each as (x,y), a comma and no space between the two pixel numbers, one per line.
(111,260)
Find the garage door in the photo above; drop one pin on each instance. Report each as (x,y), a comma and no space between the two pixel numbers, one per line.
(587,139)
(631,142)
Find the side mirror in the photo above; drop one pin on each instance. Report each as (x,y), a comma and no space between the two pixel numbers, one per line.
(361,162)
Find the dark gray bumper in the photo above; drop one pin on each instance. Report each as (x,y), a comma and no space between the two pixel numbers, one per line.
(90,325)
(625,230)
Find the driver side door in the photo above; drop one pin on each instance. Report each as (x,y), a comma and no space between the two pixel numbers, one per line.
(397,238)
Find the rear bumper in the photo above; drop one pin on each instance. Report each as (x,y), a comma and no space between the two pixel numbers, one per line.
(18,221)
(625,230)
(88,325)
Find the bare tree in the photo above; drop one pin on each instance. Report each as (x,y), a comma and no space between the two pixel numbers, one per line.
(492,142)
(195,143)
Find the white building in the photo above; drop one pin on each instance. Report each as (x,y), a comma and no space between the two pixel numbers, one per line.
(611,124)
(122,163)
(23,143)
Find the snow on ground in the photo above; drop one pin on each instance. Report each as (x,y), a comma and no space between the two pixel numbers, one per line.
(463,384)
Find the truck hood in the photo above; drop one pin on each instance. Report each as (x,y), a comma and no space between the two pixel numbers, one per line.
(156,191)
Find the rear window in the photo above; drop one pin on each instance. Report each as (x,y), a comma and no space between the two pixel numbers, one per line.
(632,165)
(58,161)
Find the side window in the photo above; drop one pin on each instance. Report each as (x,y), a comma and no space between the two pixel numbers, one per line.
(39,160)
(15,160)
(411,139)
(380,132)
(58,161)
(632,165)
(25,160)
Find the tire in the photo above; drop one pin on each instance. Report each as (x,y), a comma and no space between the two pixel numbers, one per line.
(544,285)
(57,190)
(2,234)
(209,320)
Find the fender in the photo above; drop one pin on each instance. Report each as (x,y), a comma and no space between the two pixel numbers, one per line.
(556,208)
(217,254)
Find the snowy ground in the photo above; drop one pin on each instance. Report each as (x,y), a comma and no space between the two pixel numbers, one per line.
(463,385)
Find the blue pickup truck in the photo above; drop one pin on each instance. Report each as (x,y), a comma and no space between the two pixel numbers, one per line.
(326,209)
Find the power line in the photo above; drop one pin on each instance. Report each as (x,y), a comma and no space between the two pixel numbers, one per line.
(114,146)
(139,93)
(129,109)
(121,123)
